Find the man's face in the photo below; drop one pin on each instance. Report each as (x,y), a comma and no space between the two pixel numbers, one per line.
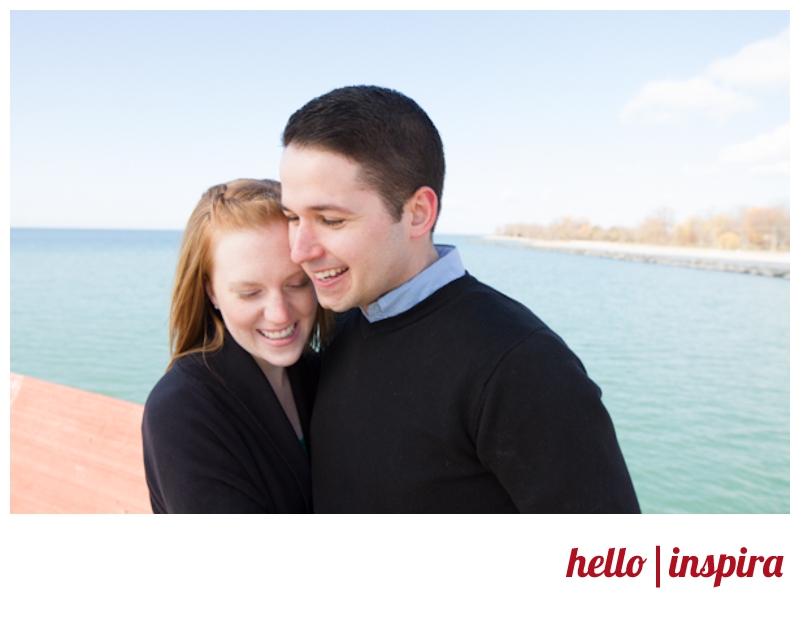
(340,231)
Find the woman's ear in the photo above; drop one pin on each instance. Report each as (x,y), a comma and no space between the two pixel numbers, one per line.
(210,293)
(423,207)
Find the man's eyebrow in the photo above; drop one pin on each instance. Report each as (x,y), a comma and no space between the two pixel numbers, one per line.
(322,208)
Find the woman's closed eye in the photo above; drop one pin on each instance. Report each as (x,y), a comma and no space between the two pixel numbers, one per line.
(303,283)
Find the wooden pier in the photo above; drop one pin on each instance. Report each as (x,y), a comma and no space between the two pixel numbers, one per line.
(74,452)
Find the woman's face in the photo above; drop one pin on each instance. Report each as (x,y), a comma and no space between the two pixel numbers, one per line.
(267,302)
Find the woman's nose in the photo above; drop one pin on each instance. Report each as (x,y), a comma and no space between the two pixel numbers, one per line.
(277,310)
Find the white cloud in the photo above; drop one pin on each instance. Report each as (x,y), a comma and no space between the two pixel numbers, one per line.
(548,192)
(671,100)
(768,153)
(764,147)
(760,65)
(711,170)
(763,64)
(780,168)
(630,168)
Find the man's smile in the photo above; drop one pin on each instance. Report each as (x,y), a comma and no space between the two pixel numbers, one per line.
(328,275)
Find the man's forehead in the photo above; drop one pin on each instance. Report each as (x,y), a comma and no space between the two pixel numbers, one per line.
(324,165)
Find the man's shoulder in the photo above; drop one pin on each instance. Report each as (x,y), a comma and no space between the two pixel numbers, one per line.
(493,309)
(465,313)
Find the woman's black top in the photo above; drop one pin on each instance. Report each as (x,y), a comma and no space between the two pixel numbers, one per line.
(216,439)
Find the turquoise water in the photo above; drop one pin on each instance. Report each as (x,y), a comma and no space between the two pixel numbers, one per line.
(89,309)
(694,365)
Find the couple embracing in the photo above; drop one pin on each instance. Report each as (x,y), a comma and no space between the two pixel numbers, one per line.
(328,357)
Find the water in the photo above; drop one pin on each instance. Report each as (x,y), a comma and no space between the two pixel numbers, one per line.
(89,309)
(694,365)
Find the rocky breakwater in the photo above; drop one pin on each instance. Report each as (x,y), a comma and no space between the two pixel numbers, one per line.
(770,264)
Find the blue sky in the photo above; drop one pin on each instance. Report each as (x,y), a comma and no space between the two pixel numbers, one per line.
(123,119)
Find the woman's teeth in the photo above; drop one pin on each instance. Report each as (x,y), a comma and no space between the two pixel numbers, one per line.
(278,335)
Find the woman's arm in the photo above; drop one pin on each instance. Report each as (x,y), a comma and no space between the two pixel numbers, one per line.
(190,456)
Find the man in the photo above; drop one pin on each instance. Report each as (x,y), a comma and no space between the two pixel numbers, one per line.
(439,394)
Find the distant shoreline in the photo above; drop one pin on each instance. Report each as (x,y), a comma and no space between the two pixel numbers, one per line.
(769,264)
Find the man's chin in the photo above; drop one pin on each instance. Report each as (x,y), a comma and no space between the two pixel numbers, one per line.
(335,304)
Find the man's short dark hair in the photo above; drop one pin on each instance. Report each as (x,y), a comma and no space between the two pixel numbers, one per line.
(388,134)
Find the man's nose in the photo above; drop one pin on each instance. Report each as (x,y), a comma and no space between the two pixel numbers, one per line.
(304,244)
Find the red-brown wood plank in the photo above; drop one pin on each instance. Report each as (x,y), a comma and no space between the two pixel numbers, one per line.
(73,451)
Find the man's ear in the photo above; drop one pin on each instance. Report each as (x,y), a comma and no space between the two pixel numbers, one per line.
(422,207)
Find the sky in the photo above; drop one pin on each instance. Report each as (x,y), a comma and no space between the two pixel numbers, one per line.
(122,119)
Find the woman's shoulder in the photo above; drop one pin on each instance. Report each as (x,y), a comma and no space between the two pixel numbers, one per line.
(186,386)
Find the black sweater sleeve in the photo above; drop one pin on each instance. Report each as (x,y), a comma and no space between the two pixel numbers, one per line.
(545,434)
(190,455)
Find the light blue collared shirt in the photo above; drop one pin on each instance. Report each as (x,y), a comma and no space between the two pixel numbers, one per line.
(446,269)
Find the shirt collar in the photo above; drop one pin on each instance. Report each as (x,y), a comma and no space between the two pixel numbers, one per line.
(445,270)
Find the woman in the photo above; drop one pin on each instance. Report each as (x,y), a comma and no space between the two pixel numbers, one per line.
(224,429)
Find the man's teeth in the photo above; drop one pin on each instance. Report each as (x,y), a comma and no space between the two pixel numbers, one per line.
(277,335)
(324,275)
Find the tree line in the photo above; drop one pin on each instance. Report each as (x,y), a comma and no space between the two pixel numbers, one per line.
(754,227)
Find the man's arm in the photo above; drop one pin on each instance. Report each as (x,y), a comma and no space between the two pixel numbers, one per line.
(544,432)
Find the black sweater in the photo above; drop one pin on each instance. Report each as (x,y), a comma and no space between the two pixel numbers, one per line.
(216,439)
(465,403)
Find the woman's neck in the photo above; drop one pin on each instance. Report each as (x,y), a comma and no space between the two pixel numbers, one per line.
(278,379)
(277,376)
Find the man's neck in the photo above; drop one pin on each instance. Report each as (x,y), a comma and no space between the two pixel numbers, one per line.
(429,256)
(430,275)
(419,262)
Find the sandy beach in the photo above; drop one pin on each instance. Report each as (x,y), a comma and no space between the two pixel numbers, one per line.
(771,264)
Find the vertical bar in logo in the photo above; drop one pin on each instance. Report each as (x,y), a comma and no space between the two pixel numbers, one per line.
(658,567)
